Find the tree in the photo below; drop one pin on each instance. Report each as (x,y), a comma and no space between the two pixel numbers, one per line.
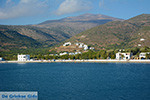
(77,56)
(103,54)
(147,56)
(39,56)
(111,54)
(135,51)
(122,56)
(98,55)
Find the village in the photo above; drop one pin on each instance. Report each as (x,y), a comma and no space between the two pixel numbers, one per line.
(83,48)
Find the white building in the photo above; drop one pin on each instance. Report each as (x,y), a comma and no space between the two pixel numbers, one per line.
(142,39)
(67,44)
(85,47)
(77,44)
(143,54)
(51,54)
(71,53)
(1,59)
(81,45)
(78,53)
(92,48)
(23,57)
(123,56)
(64,53)
(139,45)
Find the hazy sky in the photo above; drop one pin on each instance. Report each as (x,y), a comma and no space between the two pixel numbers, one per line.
(22,12)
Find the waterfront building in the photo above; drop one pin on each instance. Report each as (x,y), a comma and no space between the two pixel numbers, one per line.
(143,55)
(1,59)
(123,56)
(23,57)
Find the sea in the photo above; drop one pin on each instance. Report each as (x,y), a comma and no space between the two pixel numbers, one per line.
(78,81)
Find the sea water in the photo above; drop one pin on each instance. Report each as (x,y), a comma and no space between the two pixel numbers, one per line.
(78,81)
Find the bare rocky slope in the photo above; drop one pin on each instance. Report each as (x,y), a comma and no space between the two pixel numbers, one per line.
(134,32)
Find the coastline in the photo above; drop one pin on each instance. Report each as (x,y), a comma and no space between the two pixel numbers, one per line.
(78,61)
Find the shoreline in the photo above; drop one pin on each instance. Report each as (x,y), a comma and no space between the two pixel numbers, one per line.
(79,61)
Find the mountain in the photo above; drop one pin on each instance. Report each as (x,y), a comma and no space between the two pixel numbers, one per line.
(75,25)
(134,32)
(48,33)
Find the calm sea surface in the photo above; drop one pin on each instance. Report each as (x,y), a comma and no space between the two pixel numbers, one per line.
(78,81)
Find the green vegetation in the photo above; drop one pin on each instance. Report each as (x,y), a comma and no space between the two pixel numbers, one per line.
(33,52)
(44,53)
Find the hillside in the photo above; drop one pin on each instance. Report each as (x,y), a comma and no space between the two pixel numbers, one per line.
(29,37)
(48,33)
(134,32)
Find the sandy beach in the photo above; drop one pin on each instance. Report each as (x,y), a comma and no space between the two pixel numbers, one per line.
(78,61)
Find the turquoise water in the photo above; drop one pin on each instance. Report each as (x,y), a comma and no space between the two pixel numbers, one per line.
(78,81)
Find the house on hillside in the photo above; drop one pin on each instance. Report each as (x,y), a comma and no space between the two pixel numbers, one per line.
(77,44)
(71,53)
(23,57)
(91,48)
(139,45)
(64,53)
(85,47)
(81,45)
(142,39)
(67,44)
(78,53)
(123,56)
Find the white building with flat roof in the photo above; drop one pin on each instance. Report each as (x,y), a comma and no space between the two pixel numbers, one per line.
(123,56)
(143,55)
(142,39)
(71,53)
(1,59)
(67,44)
(23,57)
(85,47)
(64,53)
(77,53)
(92,48)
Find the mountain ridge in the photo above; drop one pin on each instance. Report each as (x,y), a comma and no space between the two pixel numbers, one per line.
(83,17)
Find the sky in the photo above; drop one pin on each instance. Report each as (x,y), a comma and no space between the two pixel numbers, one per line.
(25,12)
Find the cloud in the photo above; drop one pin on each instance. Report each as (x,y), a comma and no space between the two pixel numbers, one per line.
(22,8)
(25,1)
(101,3)
(8,1)
(73,6)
